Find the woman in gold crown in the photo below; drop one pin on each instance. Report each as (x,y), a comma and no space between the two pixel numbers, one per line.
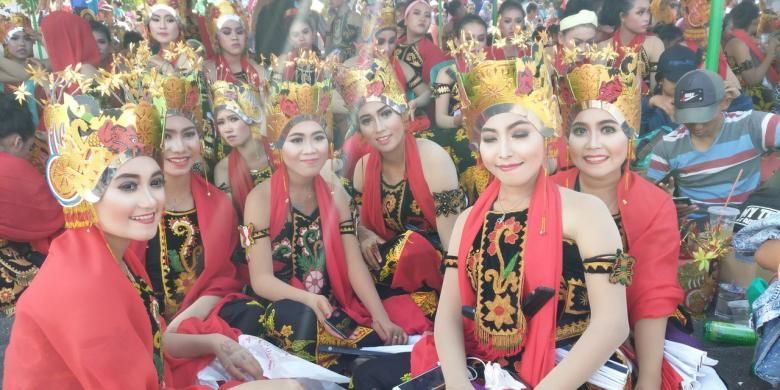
(306,271)
(239,120)
(17,38)
(410,196)
(112,193)
(165,21)
(524,235)
(227,28)
(600,130)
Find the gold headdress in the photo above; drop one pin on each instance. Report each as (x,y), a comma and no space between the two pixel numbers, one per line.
(696,15)
(371,81)
(768,23)
(13,23)
(662,11)
(596,79)
(242,99)
(302,94)
(491,87)
(219,13)
(177,8)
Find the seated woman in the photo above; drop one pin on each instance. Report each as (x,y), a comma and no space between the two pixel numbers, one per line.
(304,260)
(410,196)
(103,40)
(165,25)
(90,277)
(471,34)
(523,233)
(240,123)
(29,216)
(600,134)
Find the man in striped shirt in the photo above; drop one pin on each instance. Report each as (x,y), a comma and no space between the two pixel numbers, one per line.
(707,152)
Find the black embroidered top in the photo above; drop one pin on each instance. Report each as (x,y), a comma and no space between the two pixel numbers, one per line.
(153,310)
(400,209)
(298,252)
(440,89)
(18,265)
(175,259)
(410,55)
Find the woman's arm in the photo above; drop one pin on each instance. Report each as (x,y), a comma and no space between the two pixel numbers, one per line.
(12,72)
(199,309)
(768,255)
(588,222)
(442,101)
(422,91)
(649,335)
(654,47)
(448,327)
(739,58)
(441,176)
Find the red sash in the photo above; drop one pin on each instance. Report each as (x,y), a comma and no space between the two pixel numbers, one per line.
(743,36)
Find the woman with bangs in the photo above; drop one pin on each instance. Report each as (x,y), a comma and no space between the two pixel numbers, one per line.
(299,235)
(523,236)
(599,134)
(409,195)
(511,19)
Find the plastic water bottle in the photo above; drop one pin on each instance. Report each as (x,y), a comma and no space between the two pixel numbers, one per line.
(727,333)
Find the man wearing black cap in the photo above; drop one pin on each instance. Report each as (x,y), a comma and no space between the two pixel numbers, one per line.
(711,147)
(657,110)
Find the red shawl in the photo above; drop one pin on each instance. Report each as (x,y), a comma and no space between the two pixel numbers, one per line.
(543,259)
(431,56)
(81,324)
(636,44)
(723,66)
(69,41)
(28,211)
(743,36)
(649,220)
(240,179)
(335,259)
(371,211)
(224,73)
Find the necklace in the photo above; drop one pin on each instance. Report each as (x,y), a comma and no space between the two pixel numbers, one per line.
(504,210)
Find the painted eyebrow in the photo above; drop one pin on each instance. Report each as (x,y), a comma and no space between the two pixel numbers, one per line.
(318,132)
(182,130)
(600,123)
(128,176)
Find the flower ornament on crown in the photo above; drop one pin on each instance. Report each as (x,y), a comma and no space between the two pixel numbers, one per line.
(13,23)
(177,8)
(597,78)
(242,99)
(521,85)
(220,12)
(372,80)
(303,93)
(696,17)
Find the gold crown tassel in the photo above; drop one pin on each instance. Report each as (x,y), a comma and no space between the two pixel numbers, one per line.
(374,80)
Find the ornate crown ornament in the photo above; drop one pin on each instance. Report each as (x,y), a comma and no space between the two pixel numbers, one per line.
(595,79)
(242,99)
(13,23)
(696,16)
(662,11)
(220,12)
(373,80)
(491,87)
(303,93)
(177,8)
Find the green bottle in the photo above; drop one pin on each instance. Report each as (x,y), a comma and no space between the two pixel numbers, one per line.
(727,333)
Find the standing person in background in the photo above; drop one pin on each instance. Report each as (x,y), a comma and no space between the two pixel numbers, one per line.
(511,18)
(344,29)
(632,18)
(532,19)
(456,10)
(756,69)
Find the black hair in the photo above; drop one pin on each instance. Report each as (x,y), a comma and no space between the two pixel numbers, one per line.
(466,20)
(667,32)
(101,28)
(531,7)
(612,10)
(511,4)
(744,14)
(453,6)
(131,37)
(573,7)
(16,118)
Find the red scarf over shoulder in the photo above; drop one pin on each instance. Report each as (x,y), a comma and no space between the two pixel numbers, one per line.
(371,215)
(431,56)
(224,73)
(649,220)
(28,211)
(542,259)
(240,179)
(82,323)
(335,258)
(743,36)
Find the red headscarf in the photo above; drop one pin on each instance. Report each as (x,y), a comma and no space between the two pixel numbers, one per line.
(69,41)
(542,259)
(743,36)
(649,219)
(335,259)
(371,211)
(28,211)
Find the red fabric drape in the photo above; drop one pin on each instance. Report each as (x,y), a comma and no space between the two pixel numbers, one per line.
(743,36)
(371,211)
(649,218)
(636,44)
(723,65)
(224,73)
(69,41)
(335,260)
(431,56)
(81,324)
(28,211)
(240,179)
